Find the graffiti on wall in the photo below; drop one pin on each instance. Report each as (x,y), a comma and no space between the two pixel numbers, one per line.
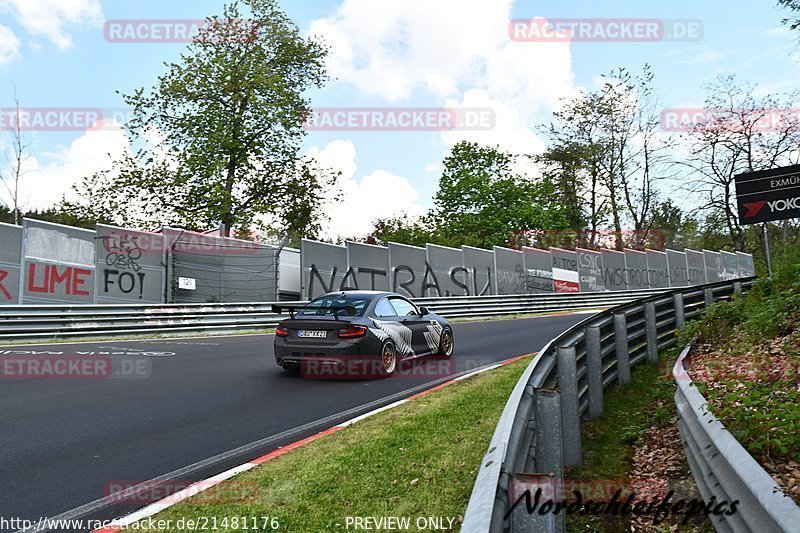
(130,266)
(47,278)
(121,266)
(404,280)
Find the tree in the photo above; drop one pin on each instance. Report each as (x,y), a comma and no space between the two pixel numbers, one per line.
(794,7)
(482,201)
(671,227)
(19,155)
(299,214)
(217,138)
(403,229)
(742,133)
(606,156)
(572,163)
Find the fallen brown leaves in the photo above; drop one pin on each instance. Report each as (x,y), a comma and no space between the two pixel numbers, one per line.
(773,361)
(659,466)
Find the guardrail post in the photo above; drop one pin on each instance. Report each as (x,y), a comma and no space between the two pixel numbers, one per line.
(737,288)
(570,418)
(708,295)
(594,370)
(549,451)
(621,343)
(680,317)
(548,460)
(650,330)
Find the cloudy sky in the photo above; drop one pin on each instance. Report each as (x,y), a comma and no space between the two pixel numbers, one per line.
(387,54)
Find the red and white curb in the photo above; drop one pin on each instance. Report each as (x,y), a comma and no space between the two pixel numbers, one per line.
(200,486)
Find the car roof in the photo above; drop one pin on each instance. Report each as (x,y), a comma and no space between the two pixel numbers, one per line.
(372,294)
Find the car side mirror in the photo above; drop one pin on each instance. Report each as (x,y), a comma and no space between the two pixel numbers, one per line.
(423,311)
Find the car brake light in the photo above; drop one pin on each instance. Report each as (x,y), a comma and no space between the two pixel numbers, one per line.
(281,331)
(352,332)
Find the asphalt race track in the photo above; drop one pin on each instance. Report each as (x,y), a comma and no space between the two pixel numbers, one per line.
(64,442)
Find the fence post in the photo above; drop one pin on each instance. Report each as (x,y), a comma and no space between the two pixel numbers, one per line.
(594,370)
(737,288)
(650,330)
(708,295)
(621,343)
(570,418)
(680,318)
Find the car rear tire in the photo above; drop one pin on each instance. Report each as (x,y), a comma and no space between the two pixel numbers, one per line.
(446,343)
(388,360)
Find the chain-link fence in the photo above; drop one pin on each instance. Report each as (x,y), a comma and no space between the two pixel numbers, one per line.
(221,270)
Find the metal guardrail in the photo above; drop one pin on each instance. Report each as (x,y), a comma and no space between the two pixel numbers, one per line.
(538,433)
(43,322)
(724,470)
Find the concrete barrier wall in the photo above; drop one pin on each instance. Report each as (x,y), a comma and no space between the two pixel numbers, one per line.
(10,254)
(58,264)
(42,262)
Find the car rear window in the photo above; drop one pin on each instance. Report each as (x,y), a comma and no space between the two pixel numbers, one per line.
(323,306)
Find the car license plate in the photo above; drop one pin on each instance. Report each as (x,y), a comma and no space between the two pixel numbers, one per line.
(311,334)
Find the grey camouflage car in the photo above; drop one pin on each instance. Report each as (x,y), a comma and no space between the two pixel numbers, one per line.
(358,334)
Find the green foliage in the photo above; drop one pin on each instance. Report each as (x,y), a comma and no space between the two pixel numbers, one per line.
(481,199)
(760,408)
(58,215)
(217,137)
(769,308)
(764,417)
(405,230)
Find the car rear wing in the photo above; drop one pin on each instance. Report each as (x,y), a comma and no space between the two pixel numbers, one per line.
(293,308)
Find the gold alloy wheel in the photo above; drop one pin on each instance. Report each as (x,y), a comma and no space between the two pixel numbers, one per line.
(447,343)
(388,358)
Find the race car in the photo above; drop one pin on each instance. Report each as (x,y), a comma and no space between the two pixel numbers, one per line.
(358,334)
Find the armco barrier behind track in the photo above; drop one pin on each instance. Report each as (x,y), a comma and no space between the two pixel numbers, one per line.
(539,430)
(723,469)
(43,322)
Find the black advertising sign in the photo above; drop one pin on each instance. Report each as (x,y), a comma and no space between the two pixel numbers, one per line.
(768,195)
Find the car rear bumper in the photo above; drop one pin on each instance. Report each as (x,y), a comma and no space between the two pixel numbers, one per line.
(357,358)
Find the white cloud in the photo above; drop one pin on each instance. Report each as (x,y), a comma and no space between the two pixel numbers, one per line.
(705,57)
(456,51)
(9,45)
(48,18)
(49,176)
(380,194)
(781,32)
(391,48)
(511,129)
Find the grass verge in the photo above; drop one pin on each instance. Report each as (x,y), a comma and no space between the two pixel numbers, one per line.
(417,460)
